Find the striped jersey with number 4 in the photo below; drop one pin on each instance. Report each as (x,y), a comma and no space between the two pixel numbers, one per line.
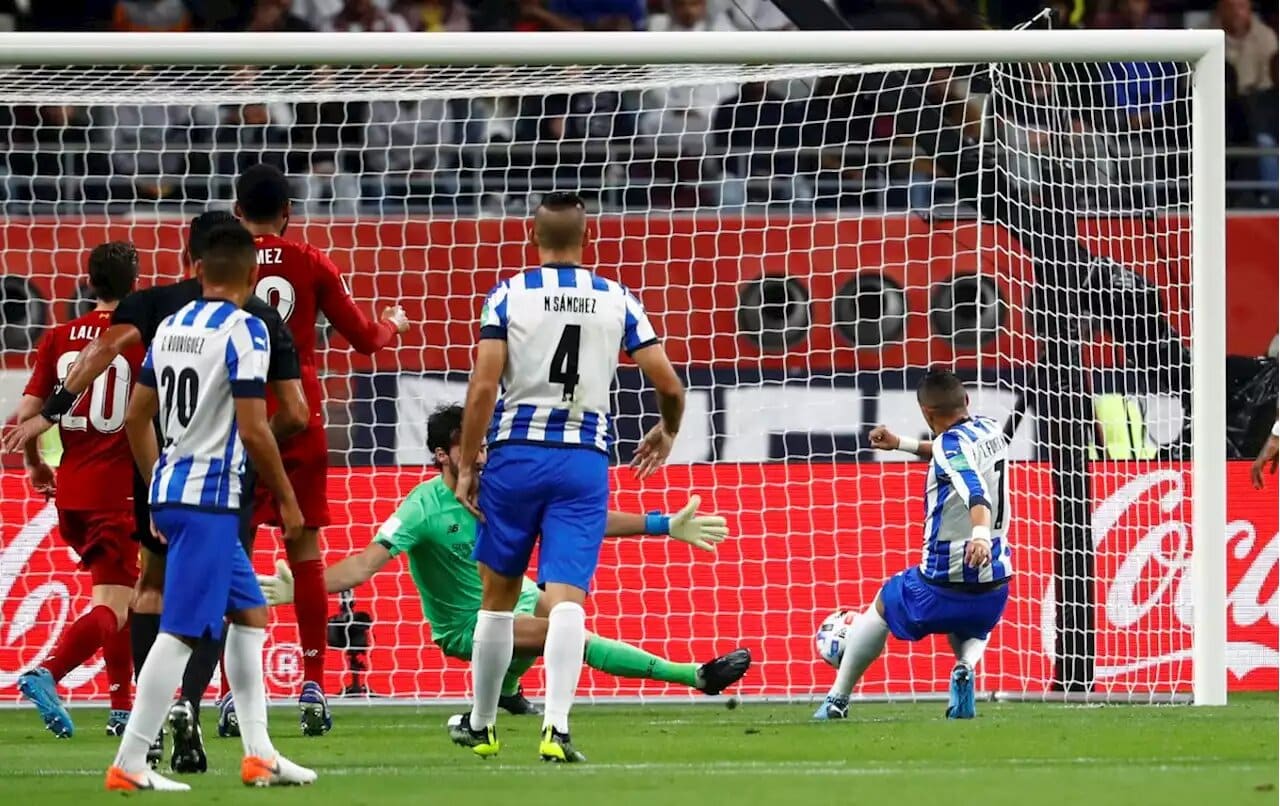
(202,358)
(564,327)
(95,448)
(969,467)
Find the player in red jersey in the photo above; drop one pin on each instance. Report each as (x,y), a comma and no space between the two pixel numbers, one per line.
(93,493)
(301,282)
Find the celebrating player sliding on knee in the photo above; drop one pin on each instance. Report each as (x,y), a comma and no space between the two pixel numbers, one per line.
(438,535)
(961,586)
(550,337)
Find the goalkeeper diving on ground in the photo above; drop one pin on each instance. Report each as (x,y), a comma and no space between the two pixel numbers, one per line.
(438,534)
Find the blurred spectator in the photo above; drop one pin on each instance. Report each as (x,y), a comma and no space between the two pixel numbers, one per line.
(1251,45)
(147,146)
(748,15)
(583,15)
(1128,14)
(316,13)
(42,148)
(359,16)
(759,133)
(434,16)
(402,150)
(151,15)
(247,134)
(686,15)
(274,15)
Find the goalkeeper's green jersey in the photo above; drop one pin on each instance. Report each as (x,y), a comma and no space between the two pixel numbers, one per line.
(438,534)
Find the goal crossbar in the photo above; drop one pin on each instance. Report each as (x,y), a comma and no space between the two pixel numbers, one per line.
(515,48)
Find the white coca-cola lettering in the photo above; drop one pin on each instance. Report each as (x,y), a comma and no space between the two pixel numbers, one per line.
(1154,573)
(47,606)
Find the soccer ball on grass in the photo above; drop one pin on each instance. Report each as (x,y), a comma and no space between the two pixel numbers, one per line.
(830,639)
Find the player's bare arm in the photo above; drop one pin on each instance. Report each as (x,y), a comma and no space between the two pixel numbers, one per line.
(143,406)
(656,446)
(883,439)
(39,473)
(482,396)
(1268,458)
(292,415)
(92,362)
(260,444)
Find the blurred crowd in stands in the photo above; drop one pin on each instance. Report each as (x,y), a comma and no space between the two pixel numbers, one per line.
(830,142)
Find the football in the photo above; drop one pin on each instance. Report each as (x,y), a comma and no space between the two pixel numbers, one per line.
(830,638)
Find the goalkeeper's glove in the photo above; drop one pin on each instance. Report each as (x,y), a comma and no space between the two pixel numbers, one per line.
(687,526)
(278,588)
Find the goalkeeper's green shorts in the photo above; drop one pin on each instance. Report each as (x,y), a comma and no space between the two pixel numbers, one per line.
(456,641)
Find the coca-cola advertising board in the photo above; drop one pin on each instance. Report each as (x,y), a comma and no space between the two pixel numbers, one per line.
(809,539)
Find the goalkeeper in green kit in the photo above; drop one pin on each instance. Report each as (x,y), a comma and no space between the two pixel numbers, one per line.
(438,534)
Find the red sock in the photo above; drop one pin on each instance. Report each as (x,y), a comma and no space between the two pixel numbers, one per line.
(119,659)
(81,640)
(311,604)
(222,674)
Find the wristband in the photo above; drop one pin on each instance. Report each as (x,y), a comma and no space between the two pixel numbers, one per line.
(58,404)
(655,523)
(981,533)
(1275,429)
(908,444)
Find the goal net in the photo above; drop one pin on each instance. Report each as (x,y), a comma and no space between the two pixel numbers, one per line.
(808,239)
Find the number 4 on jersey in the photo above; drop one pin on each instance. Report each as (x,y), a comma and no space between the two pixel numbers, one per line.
(564,362)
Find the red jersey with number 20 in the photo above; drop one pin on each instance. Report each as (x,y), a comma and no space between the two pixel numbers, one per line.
(301,283)
(97,468)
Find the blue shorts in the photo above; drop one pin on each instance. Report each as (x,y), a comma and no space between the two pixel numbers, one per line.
(206,574)
(913,608)
(556,496)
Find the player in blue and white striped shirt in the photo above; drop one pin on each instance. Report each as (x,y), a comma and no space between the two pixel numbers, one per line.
(205,375)
(961,586)
(551,336)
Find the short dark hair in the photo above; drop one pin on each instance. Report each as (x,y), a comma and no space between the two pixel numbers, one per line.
(262,192)
(942,390)
(113,270)
(560,220)
(229,254)
(444,428)
(198,232)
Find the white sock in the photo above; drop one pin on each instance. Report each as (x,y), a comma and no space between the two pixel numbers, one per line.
(969,651)
(243,657)
(864,643)
(491,651)
(160,675)
(562,658)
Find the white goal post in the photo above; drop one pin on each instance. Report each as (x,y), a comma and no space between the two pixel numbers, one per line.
(765,585)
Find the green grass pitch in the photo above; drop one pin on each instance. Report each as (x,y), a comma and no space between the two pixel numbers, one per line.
(667,755)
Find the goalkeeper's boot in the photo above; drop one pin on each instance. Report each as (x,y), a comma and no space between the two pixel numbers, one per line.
(518,704)
(148,780)
(117,720)
(557,747)
(228,722)
(832,707)
(188,742)
(483,743)
(716,675)
(313,710)
(278,771)
(38,686)
(155,753)
(960,705)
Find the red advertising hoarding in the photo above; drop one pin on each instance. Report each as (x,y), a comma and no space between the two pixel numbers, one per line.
(808,539)
(688,271)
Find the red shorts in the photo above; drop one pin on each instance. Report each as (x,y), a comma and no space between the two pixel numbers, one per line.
(306,463)
(104,541)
